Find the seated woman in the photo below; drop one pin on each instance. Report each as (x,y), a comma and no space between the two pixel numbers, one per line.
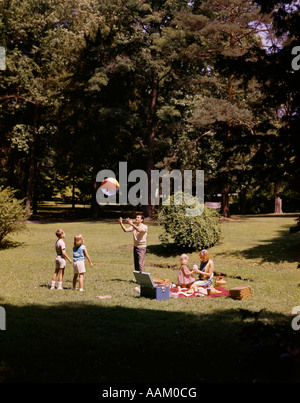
(185,276)
(206,271)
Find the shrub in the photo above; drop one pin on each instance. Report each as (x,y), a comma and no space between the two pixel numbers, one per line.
(190,232)
(12,213)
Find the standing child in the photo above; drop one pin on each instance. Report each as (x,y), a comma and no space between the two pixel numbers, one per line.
(60,260)
(185,275)
(79,255)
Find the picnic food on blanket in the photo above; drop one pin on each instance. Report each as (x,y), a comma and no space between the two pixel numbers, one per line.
(178,292)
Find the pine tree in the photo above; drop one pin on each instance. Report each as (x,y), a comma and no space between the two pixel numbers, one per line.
(37,40)
(229,30)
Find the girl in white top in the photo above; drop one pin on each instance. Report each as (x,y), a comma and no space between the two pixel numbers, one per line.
(60,260)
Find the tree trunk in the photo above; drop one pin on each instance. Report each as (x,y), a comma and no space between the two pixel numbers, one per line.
(225,192)
(95,208)
(278,200)
(149,209)
(35,195)
(31,197)
(73,192)
(30,188)
(225,201)
(243,200)
(30,183)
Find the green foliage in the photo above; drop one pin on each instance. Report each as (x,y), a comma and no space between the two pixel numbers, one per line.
(12,213)
(172,84)
(190,232)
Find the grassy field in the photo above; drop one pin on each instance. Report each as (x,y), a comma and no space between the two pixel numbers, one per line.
(71,336)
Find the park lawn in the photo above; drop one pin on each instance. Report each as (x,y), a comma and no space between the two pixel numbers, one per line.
(68,336)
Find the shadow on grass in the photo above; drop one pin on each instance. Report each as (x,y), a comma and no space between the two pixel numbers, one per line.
(62,212)
(120,280)
(8,244)
(99,344)
(283,248)
(168,250)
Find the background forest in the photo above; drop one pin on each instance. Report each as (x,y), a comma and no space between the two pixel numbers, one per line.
(161,84)
(208,85)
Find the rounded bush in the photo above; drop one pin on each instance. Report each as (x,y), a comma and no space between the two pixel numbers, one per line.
(191,232)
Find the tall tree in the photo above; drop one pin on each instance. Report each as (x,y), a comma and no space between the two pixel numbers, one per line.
(282,84)
(229,29)
(123,77)
(35,65)
(277,154)
(159,69)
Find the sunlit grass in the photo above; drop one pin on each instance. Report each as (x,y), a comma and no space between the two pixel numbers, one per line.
(258,251)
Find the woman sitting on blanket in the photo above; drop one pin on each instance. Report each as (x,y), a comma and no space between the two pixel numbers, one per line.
(185,276)
(206,271)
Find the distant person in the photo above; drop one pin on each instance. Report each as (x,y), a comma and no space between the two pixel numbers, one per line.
(79,254)
(60,260)
(185,276)
(140,231)
(205,271)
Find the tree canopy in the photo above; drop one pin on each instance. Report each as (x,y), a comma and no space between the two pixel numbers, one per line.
(161,84)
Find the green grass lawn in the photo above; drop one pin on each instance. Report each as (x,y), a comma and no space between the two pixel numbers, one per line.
(68,336)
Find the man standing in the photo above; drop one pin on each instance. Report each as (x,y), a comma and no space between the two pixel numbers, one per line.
(139,231)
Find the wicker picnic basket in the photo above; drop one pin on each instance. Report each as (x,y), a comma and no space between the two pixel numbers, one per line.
(220,282)
(161,279)
(240,292)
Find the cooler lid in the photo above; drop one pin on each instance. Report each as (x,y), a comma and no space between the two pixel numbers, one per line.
(144,279)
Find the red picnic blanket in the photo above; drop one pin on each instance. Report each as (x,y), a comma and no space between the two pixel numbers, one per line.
(202,292)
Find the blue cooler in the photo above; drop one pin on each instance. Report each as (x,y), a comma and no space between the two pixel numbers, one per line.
(149,289)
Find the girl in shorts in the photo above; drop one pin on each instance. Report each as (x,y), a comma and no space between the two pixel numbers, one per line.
(79,255)
(60,260)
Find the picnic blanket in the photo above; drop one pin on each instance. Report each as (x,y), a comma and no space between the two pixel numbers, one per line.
(202,292)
